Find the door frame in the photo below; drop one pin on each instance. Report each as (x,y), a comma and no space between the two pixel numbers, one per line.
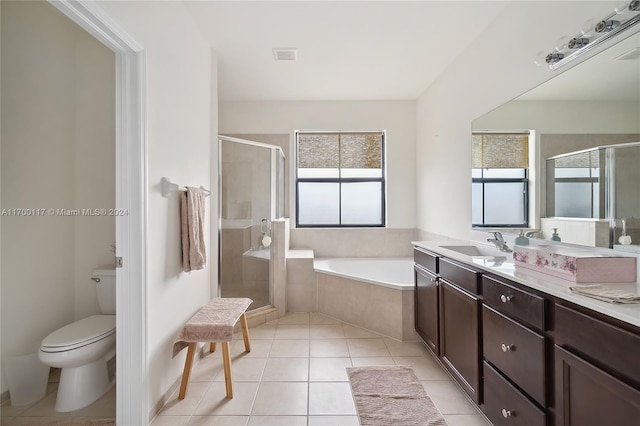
(132,407)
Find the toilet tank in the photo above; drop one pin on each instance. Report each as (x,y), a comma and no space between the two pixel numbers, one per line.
(105,280)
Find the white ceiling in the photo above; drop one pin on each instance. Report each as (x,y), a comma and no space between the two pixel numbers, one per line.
(357,50)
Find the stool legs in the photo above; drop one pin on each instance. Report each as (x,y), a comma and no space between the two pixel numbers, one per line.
(191,351)
(245,332)
(226,360)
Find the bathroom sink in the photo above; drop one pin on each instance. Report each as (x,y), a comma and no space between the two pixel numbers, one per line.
(474,251)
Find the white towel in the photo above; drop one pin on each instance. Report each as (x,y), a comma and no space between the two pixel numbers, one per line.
(606,294)
(194,254)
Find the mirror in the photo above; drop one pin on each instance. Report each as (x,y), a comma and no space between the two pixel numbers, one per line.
(594,104)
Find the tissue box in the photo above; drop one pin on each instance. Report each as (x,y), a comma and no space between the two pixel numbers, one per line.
(575,265)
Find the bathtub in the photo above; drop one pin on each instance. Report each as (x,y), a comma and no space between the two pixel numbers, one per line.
(373,293)
(391,272)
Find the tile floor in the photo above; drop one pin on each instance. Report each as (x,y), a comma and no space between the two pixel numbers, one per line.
(101,412)
(295,375)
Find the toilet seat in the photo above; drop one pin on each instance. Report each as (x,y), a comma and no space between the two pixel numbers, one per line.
(80,333)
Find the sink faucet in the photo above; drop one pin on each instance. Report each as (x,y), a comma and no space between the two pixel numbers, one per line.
(499,242)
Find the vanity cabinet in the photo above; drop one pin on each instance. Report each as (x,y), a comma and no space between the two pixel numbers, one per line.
(524,356)
(427,307)
(447,312)
(460,325)
(597,371)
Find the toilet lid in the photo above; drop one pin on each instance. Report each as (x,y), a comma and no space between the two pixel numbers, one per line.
(80,333)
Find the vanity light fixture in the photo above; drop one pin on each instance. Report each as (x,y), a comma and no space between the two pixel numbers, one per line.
(594,33)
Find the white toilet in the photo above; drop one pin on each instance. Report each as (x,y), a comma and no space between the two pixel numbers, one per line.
(82,349)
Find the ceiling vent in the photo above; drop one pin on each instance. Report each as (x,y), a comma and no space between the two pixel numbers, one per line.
(630,55)
(285,54)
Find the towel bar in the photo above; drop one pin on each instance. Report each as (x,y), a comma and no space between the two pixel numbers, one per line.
(169,187)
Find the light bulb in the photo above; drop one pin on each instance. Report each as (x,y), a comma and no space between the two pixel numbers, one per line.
(541,59)
(562,43)
(621,7)
(589,27)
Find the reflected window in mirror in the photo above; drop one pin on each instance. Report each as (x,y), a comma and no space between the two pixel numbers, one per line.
(500,179)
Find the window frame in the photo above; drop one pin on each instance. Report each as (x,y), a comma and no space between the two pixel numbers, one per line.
(340,180)
(524,180)
(530,171)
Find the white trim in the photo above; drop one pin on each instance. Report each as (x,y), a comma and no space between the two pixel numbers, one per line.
(131,231)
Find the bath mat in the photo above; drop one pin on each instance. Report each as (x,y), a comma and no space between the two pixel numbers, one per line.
(391,396)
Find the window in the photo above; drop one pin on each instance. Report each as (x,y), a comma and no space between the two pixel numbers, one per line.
(573,185)
(500,180)
(340,179)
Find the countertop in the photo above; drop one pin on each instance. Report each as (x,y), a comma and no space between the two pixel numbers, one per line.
(628,313)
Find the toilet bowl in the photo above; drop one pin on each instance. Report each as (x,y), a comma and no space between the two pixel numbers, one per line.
(81,349)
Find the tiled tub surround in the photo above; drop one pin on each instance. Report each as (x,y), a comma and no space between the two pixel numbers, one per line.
(382,304)
(355,242)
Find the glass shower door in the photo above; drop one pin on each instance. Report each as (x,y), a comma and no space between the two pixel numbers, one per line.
(246,205)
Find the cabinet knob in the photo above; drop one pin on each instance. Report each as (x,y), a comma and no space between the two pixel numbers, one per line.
(508,413)
(505,298)
(507,348)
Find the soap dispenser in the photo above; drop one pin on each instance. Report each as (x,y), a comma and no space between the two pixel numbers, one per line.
(521,240)
(555,236)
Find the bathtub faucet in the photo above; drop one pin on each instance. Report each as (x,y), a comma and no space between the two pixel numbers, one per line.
(499,242)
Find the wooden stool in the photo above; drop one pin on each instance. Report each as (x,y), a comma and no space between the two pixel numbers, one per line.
(213,323)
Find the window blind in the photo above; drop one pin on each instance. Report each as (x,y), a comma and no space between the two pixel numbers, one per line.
(500,150)
(340,150)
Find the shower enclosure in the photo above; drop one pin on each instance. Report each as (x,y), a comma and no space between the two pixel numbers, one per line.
(251,196)
(598,183)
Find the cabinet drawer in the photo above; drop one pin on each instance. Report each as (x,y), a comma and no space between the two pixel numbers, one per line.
(516,303)
(505,405)
(425,259)
(461,276)
(516,351)
(606,344)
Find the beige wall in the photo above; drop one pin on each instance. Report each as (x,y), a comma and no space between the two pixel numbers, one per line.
(58,151)
(497,67)
(181,114)
(396,117)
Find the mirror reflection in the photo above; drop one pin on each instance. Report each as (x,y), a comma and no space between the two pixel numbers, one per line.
(575,164)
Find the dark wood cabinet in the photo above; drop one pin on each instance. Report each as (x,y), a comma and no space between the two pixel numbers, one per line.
(524,356)
(459,341)
(426,308)
(587,396)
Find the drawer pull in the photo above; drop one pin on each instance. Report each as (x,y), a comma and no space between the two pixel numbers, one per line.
(508,413)
(505,298)
(507,348)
